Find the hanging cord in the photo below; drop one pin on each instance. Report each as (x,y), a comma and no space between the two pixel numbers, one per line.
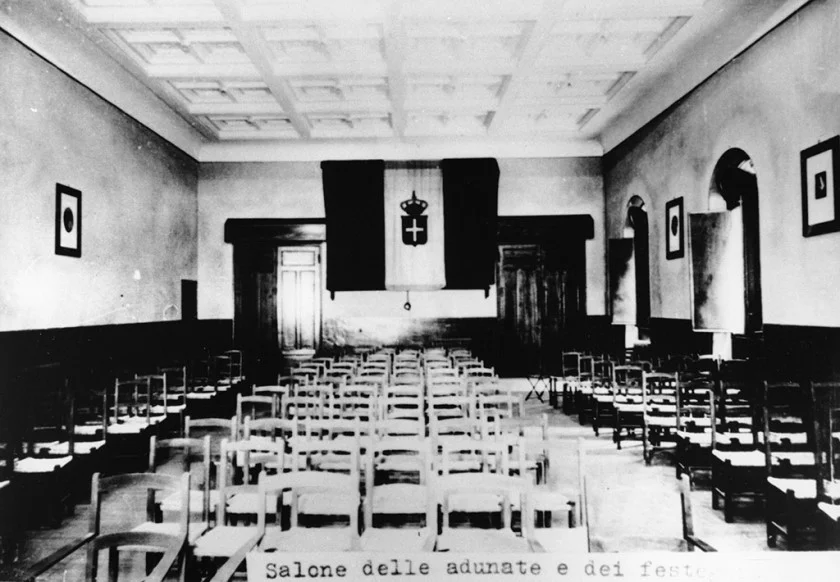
(407,304)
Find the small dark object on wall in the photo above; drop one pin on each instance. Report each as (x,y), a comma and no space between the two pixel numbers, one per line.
(675,227)
(68,221)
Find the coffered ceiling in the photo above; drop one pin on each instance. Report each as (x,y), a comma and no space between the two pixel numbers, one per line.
(279,73)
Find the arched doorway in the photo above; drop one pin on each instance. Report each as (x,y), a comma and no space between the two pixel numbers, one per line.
(636,227)
(734,188)
(725,254)
(629,275)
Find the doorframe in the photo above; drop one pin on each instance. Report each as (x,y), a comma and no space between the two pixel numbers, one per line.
(277,232)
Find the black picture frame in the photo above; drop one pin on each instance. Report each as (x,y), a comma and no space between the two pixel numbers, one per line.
(674,229)
(820,168)
(68,221)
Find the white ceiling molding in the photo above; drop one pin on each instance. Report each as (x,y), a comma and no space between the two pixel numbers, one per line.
(314,80)
(392,149)
(723,31)
(47,33)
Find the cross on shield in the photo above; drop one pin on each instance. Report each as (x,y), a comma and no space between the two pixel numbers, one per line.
(415,230)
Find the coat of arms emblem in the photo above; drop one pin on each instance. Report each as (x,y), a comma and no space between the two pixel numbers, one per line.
(415,226)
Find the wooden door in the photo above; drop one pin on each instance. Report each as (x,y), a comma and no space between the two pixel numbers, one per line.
(299,302)
(521,302)
(255,307)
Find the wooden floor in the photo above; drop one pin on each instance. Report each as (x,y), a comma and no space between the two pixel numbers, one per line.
(632,507)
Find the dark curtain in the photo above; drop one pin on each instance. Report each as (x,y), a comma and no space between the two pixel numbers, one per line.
(470,202)
(354,201)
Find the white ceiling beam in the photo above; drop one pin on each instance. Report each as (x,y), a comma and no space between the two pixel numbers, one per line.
(107,16)
(333,69)
(395,46)
(235,109)
(633,9)
(260,55)
(339,11)
(534,42)
(239,71)
(666,36)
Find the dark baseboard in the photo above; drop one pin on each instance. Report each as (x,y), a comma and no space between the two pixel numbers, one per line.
(677,337)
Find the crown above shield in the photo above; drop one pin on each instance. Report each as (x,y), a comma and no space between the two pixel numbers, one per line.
(414,206)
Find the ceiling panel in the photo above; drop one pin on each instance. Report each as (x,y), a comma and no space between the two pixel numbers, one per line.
(294,70)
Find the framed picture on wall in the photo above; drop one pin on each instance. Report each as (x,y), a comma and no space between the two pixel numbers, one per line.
(68,221)
(675,236)
(820,199)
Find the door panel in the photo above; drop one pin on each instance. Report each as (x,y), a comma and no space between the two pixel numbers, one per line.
(520,308)
(255,306)
(299,304)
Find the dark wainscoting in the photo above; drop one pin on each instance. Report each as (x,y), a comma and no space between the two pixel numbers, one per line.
(101,351)
(786,351)
(677,337)
(792,351)
(478,333)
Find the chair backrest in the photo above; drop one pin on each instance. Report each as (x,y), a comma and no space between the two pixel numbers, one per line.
(328,456)
(255,407)
(506,487)
(298,484)
(191,450)
(303,407)
(396,404)
(251,456)
(275,429)
(130,395)
(487,456)
(218,429)
(152,483)
(275,390)
(400,427)
(413,454)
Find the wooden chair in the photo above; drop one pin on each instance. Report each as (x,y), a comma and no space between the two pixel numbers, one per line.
(237,529)
(218,429)
(827,446)
(659,416)
(255,407)
(575,538)
(277,391)
(203,500)
(695,426)
(398,490)
(629,409)
(791,493)
(321,497)
(507,491)
(169,544)
(691,540)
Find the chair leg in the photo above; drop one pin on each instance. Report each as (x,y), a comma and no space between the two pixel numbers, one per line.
(113,564)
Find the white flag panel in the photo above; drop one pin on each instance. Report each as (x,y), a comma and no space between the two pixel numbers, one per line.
(414,233)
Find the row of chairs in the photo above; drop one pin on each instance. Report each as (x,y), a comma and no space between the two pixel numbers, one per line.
(757,440)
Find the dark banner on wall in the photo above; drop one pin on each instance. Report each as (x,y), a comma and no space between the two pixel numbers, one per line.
(354,201)
(470,202)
